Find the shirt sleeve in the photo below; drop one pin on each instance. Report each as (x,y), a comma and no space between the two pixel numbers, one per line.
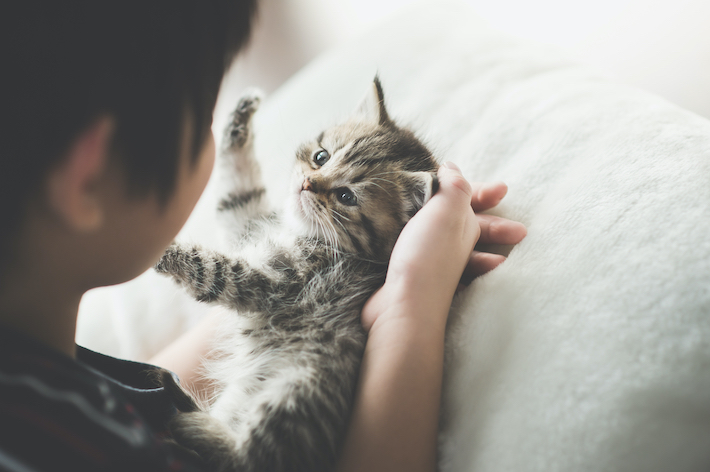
(60,414)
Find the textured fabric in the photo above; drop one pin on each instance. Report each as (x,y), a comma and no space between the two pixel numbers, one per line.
(93,414)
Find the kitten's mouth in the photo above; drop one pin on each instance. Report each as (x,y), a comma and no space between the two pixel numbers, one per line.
(300,206)
(303,205)
(307,206)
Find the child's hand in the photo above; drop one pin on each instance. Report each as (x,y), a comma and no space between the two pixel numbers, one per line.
(437,245)
(394,423)
(494,230)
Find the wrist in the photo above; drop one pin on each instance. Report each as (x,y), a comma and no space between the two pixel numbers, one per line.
(424,305)
(408,325)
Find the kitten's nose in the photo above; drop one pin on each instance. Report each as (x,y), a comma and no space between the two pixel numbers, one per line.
(307,185)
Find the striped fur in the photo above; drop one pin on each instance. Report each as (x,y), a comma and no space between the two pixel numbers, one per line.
(298,280)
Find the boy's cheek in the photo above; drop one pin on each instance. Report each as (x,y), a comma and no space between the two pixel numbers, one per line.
(192,180)
(137,231)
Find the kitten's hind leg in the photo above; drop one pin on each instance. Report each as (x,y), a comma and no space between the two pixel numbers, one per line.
(244,198)
(180,397)
(206,436)
(296,420)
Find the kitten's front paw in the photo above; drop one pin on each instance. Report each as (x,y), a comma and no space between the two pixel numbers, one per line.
(171,261)
(239,129)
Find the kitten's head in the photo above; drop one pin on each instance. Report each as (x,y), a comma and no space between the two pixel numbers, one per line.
(357,184)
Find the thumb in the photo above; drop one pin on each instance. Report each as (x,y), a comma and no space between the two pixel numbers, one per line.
(451,180)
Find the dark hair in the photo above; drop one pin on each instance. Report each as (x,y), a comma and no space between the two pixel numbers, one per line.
(147,63)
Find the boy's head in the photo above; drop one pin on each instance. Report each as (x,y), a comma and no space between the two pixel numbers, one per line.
(142,75)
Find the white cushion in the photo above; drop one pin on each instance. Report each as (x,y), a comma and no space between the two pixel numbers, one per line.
(589,348)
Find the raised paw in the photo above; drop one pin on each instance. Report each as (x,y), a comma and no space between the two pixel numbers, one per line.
(238,130)
(167,261)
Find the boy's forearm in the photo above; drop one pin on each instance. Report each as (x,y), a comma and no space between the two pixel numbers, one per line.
(395,418)
(185,356)
(394,422)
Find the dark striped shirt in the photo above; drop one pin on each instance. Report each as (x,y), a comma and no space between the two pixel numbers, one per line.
(95,413)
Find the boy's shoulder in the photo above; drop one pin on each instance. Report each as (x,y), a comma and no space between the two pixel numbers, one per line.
(92,413)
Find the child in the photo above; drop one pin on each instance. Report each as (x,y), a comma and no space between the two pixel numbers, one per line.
(107,147)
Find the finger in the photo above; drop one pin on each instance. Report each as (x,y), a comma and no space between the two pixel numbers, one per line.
(451,172)
(487,195)
(450,207)
(479,263)
(497,230)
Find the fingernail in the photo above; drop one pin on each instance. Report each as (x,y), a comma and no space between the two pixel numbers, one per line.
(451,165)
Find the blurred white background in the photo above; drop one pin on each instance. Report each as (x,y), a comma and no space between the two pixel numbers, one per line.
(662,46)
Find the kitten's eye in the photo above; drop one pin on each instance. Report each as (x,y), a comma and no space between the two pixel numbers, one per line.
(321,157)
(346,197)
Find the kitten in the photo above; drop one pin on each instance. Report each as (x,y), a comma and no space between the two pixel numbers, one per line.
(298,280)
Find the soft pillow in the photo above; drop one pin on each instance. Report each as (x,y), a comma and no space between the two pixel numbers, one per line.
(589,348)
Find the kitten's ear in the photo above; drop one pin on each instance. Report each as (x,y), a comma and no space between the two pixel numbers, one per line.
(372,106)
(421,186)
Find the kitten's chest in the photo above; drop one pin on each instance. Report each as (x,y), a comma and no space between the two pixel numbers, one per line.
(318,288)
(328,283)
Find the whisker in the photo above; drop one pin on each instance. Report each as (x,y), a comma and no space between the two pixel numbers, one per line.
(336,251)
(341,224)
(388,173)
(380,186)
(342,216)
(328,234)
(336,246)
(384,180)
(332,239)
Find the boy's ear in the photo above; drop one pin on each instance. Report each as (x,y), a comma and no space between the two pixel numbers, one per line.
(72,187)
(372,105)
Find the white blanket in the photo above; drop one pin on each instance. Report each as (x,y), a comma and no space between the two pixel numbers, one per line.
(589,348)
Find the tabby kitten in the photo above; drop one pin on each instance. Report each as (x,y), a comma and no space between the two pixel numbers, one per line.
(296,282)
